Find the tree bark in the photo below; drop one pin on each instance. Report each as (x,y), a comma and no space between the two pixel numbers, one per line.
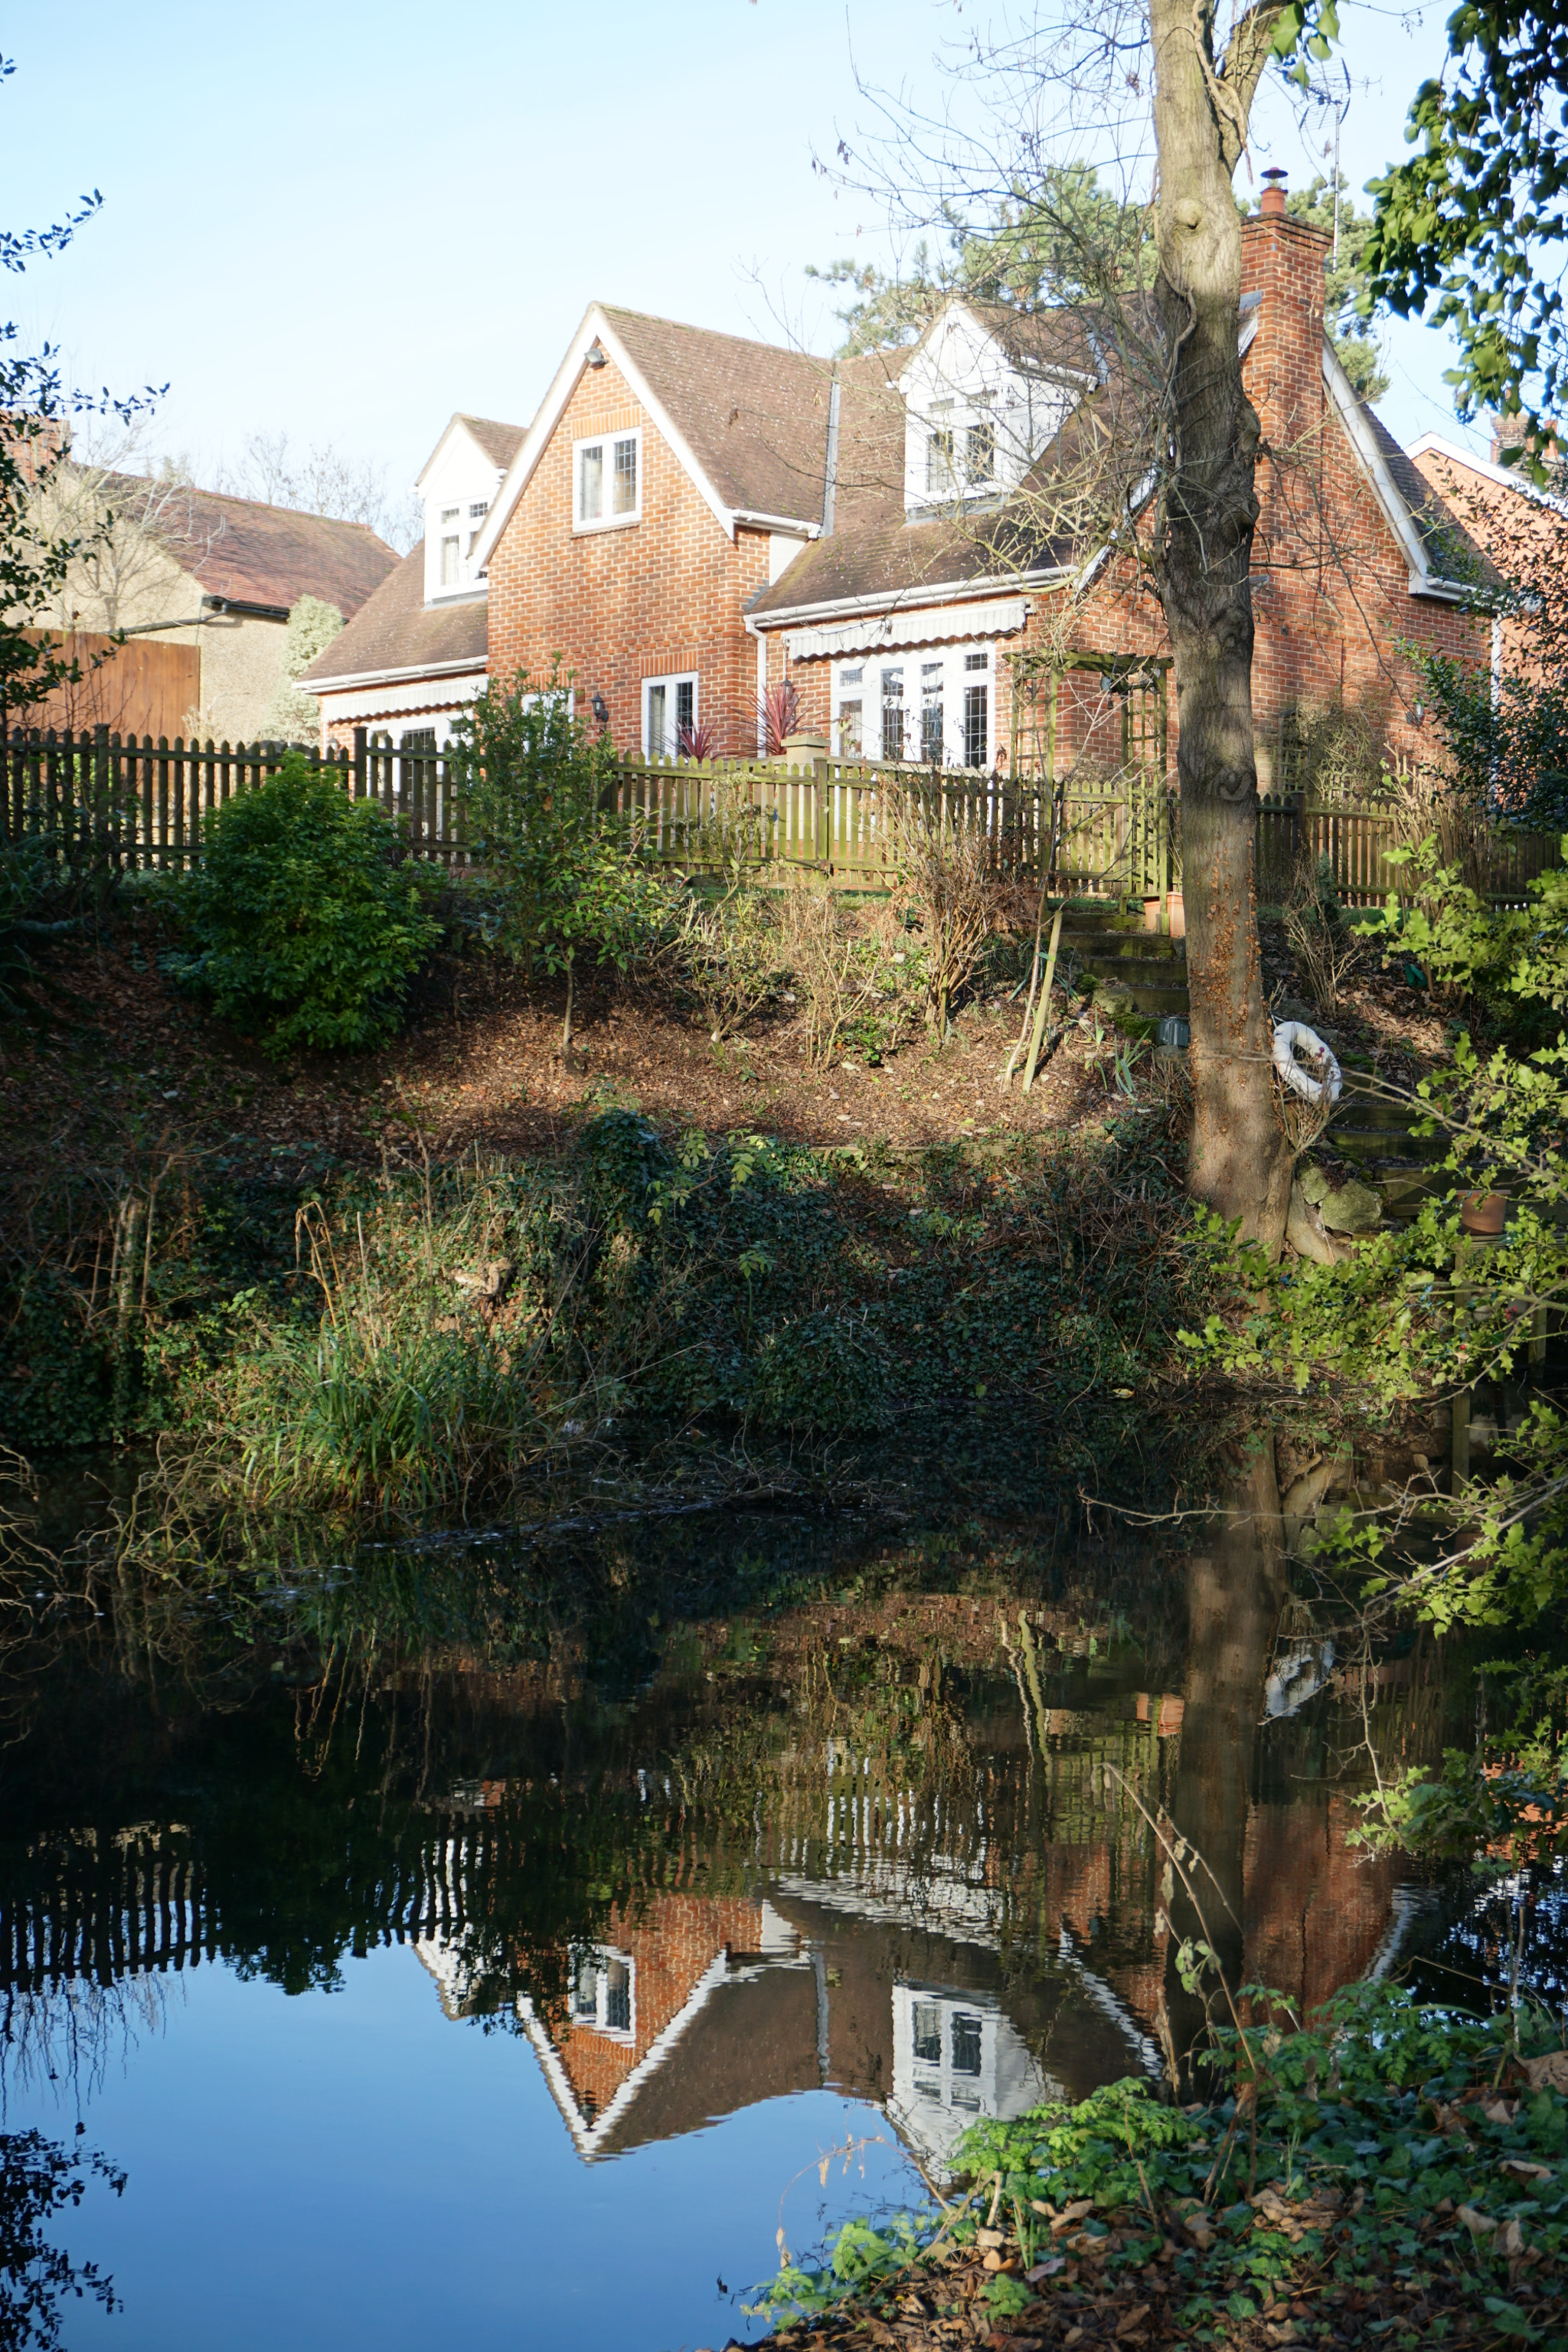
(1240,1161)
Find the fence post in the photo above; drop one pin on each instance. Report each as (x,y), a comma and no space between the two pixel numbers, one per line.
(361,783)
(104,825)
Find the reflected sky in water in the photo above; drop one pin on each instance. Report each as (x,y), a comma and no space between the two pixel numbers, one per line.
(509,1971)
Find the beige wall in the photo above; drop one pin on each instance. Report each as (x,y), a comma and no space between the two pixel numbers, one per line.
(129,580)
(242,666)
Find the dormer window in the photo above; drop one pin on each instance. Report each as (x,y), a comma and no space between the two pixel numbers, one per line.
(979,453)
(449,562)
(939,462)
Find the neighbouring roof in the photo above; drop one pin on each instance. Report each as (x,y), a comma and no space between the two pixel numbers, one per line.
(500,443)
(397,632)
(1453,551)
(261,557)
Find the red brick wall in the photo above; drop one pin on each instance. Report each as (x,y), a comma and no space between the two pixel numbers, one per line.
(1330,582)
(672,1939)
(650,599)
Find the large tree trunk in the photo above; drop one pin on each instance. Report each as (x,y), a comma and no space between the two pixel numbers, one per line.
(1240,1160)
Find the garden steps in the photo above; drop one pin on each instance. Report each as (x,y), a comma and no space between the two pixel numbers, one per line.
(1127,960)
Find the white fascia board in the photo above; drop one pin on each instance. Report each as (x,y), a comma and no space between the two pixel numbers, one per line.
(589,2138)
(952,303)
(454,424)
(791,525)
(905,600)
(595,327)
(1423,581)
(353,679)
(535,441)
(1432,445)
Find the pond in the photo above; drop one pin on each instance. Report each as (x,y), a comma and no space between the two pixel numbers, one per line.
(523,1937)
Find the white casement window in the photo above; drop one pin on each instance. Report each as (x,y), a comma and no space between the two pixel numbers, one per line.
(979,453)
(478,510)
(930,706)
(948,2049)
(941,482)
(451,570)
(668,709)
(850,710)
(606,481)
(604,1993)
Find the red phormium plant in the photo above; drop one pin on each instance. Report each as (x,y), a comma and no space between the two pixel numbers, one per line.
(779,710)
(700,742)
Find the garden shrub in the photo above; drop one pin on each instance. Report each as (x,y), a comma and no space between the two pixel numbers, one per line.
(301,926)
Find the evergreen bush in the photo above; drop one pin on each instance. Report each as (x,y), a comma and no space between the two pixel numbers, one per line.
(300,925)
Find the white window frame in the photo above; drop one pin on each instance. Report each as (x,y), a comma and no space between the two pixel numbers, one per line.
(599,1958)
(582,524)
(676,679)
(857,678)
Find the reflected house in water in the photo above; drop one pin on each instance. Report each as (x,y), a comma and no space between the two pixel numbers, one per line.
(694,2007)
(949,1958)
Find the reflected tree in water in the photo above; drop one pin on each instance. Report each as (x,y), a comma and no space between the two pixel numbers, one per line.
(40,2179)
(1236,1589)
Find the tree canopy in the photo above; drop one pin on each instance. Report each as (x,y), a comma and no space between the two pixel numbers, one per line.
(1069,240)
(36,553)
(1066,239)
(1478,215)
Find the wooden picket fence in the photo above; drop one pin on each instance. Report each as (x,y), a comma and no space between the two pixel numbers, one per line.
(1359,839)
(141,805)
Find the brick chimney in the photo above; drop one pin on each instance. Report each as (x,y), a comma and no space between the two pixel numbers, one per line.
(1282,265)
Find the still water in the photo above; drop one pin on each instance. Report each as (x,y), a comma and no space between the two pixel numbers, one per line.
(521,1942)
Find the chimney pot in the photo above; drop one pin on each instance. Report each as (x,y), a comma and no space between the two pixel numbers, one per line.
(1273,198)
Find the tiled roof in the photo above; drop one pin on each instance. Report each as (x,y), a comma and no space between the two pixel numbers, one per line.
(261,555)
(396,631)
(755,415)
(500,443)
(1451,550)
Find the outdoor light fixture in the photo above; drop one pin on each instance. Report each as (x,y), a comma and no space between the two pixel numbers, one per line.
(600,707)
(595,353)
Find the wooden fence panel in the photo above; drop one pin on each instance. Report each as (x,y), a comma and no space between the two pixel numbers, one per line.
(138,803)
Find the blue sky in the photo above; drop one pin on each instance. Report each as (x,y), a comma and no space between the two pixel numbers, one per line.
(343,221)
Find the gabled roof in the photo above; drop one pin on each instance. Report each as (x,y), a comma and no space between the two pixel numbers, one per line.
(749,422)
(397,635)
(885,559)
(499,443)
(1486,469)
(1445,560)
(260,558)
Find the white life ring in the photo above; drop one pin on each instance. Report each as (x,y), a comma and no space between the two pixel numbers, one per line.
(1293,1037)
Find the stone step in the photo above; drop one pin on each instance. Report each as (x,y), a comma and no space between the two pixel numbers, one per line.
(1093,945)
(1145,998)
(1138,971)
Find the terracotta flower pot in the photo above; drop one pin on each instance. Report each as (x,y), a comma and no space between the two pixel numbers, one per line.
(1483,1213)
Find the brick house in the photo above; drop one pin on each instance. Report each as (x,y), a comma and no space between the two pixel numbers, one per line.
(1523,530)
(692,517)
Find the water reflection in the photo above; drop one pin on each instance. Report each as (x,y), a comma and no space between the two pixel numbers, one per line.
(888,1820)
